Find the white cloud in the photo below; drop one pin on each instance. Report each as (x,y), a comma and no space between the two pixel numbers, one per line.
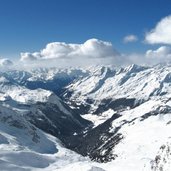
(97,49)
(161,34)
(150,57)
(58,50)
(162,54)
(29,56)
(91,51)
(130,38)
(5,62)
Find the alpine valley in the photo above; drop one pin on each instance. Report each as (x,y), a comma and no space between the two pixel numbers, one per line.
(97,118)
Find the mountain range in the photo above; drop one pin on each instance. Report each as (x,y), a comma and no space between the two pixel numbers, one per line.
(97,118)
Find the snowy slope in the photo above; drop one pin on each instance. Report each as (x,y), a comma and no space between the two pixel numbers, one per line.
(133,82)
(53,79)
(129,110)
(146,129)
(143,128)
(25,147)
(22,144)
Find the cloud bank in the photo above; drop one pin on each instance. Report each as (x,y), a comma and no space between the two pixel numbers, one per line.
(130,38)
(93,50)
(160,55)
(161,34)
(5,62)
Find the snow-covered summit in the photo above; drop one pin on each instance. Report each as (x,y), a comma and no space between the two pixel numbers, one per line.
(131,82)
(128,111)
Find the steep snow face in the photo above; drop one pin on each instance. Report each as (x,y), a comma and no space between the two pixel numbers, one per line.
(145,129)
(132,82)
(43,109)
(23,147)
(95,80)
(16,126)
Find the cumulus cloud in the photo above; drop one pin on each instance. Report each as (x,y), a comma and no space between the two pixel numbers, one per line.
(5,62)
(130,38)
(150,57)
(161,34)
(91,51)
(29,56)
(162,54)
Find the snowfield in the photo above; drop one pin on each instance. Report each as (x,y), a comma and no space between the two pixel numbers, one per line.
(129,110)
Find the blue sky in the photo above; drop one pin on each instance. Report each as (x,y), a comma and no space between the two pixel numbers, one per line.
(28,25)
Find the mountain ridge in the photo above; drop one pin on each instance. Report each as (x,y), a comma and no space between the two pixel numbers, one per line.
(100,112)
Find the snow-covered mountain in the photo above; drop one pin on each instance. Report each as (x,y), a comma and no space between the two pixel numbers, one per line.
(119,118)
(25,147)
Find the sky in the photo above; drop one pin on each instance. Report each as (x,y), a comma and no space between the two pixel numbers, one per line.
(29,25)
